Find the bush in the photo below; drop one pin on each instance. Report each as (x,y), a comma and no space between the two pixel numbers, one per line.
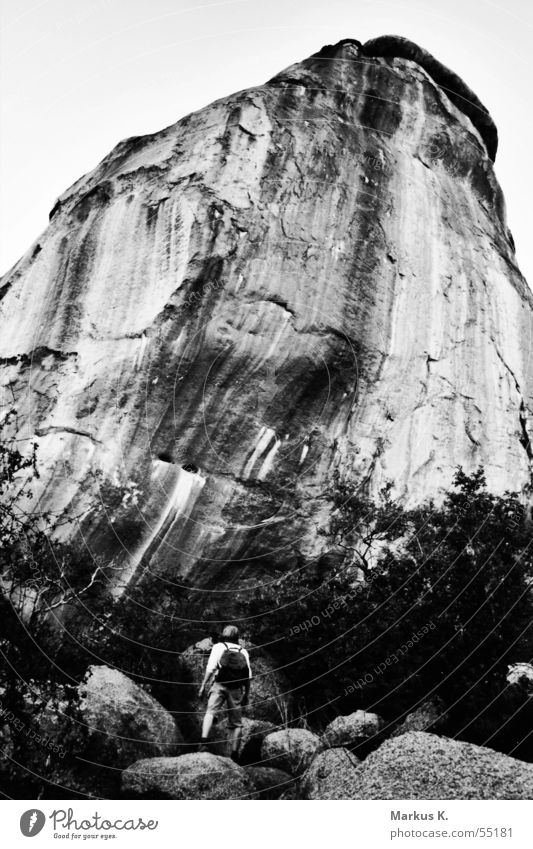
(431,602)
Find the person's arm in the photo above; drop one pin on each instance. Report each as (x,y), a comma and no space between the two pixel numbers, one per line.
(246,697)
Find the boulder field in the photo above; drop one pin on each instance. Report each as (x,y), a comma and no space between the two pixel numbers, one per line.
(128,745)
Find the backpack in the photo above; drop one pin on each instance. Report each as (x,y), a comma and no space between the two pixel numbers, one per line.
(233,668)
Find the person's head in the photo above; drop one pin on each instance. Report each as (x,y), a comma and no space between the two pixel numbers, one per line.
(231,633)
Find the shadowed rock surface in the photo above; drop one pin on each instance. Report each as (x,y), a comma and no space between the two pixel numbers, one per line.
(309,277)
(269,783)
(423,766)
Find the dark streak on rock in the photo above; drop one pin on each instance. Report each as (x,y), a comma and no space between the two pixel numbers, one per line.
(37,356)
(248,132)
(384,116)
(96,197)
(279,302)
(55,209)
(396,47)
(524,439)
(45,431)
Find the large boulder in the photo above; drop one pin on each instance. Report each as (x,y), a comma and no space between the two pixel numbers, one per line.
(269,783)
(192,776)
(268,692)
(429,716)
(418,765)
(357,731)
(330,775)
(123,722)
(291,750)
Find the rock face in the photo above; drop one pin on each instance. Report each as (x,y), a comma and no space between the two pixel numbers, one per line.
(124,723)
(332,774)
(459,93)
(290,750)
(423,766)
(307,277)
(195,776)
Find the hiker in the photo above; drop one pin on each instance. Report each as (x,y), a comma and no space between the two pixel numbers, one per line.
(227,683)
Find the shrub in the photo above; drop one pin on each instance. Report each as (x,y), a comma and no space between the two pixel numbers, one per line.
(427,602)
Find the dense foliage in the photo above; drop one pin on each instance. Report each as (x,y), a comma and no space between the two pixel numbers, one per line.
(40,577)
(425,603)
(41,582)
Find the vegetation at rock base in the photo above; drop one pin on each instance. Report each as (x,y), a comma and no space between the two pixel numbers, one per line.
(430,602)
(411,605)
(40,579)
(39,576)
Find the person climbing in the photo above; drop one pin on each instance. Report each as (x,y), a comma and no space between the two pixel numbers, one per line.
(227,683)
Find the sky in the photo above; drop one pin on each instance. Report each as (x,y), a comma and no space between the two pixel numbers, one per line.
(77,76)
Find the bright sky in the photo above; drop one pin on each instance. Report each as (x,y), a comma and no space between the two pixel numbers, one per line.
(77,76)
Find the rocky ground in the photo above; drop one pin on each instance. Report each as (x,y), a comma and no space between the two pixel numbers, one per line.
(124,744)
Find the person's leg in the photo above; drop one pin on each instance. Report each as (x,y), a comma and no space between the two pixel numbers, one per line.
(207,724)
(235,741)
(214,703)
(234,698)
